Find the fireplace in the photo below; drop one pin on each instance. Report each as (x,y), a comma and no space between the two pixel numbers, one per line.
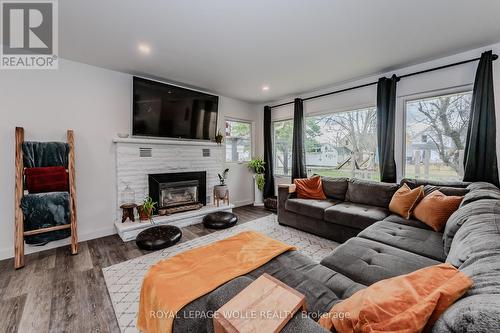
(179,191)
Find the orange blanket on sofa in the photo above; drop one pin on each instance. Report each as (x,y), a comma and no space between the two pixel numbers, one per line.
(175,282)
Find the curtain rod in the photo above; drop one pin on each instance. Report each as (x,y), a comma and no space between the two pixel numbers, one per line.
(495,57)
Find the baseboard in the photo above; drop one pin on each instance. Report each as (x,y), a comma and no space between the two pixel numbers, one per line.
(7,253)
(240,203)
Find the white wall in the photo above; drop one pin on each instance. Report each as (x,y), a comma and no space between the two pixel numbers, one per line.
(458,76)
(96,104)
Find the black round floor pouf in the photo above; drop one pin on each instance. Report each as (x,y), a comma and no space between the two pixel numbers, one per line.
(159,237)
(220,220)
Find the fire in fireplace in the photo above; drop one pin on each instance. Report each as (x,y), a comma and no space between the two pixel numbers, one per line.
(176,192)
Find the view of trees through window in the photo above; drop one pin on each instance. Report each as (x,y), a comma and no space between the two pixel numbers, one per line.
(435,136)
(341,144)
(238,141)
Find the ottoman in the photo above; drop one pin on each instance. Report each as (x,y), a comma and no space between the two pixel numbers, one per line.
(220,220)
(159,237)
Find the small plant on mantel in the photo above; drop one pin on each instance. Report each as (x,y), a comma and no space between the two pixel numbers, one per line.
(219,138)
(146,209)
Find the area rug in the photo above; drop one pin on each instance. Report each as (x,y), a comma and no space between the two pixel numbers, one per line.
(124,280)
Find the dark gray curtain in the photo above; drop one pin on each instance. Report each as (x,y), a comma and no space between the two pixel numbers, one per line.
(268,154)
(386,114)
(298,151)
(480,157)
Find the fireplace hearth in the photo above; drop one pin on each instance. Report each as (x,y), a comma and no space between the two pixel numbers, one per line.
(177,192)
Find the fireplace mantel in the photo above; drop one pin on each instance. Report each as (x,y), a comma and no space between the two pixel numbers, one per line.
(148,141)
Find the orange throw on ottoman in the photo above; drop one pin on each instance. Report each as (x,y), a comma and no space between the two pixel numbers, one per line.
(175,282)
(406,303)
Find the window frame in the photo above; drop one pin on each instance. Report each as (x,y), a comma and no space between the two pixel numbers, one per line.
(252,129)
(353,108)
(403,101)
(315,114)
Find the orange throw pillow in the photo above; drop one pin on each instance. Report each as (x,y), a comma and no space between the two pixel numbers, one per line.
(405,303)
(435,209)
(405,200)
(309,188)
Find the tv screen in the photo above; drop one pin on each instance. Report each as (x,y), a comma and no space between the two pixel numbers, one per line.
(166,111)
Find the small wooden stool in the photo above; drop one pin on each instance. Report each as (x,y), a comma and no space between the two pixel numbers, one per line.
(128,212)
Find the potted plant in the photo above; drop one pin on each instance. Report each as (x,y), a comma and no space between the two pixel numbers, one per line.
(256,165)
(219,138)
(146,209)
(221,189)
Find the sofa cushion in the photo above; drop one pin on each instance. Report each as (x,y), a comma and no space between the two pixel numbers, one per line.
(461,215)
(481,193)
(335,188)
(309,207)
(405,200)
(366,261)
(416,240)
(355,215)
(436,208)
(415,182)
(479,309)
(370,192)
(309,188)
(481,186)
(405,303)
(479,235)
(459,191)
(411,222)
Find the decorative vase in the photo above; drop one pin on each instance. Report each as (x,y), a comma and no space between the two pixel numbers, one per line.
(258,200)
(220,191)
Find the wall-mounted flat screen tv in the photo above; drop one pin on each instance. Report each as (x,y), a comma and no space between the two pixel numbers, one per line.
(166,111)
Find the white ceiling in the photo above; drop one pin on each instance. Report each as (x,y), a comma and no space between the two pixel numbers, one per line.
(234,47)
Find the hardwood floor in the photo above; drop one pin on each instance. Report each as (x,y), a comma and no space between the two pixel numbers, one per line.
(58,292)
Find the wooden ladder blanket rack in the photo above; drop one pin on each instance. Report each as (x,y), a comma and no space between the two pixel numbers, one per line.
(19,232)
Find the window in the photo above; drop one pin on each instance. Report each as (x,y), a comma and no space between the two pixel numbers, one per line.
(343,144)
(282,132)
(238,141)
(436,128)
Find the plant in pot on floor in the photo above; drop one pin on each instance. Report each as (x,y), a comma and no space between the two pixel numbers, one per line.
(146,209)
(220,190)
(256,165)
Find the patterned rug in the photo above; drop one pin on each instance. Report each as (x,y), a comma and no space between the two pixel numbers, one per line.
(124,280)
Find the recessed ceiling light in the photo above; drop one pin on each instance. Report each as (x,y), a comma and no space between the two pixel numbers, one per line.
(265,88)
(144,49)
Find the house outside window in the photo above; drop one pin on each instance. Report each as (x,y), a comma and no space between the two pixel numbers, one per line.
(238,141)
(435,133)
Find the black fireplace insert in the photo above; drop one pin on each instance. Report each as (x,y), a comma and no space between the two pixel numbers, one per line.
(178,189)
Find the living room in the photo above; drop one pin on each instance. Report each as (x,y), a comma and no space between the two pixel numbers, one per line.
(185,131)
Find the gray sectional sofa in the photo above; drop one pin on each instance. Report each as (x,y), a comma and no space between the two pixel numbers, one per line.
(384,249)
(352,205)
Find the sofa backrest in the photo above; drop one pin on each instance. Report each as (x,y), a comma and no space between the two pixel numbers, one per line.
(445,187)
(370,192)
(335,188)
(472,243)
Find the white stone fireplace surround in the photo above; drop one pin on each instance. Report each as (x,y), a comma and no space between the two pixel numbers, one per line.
(137,158)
